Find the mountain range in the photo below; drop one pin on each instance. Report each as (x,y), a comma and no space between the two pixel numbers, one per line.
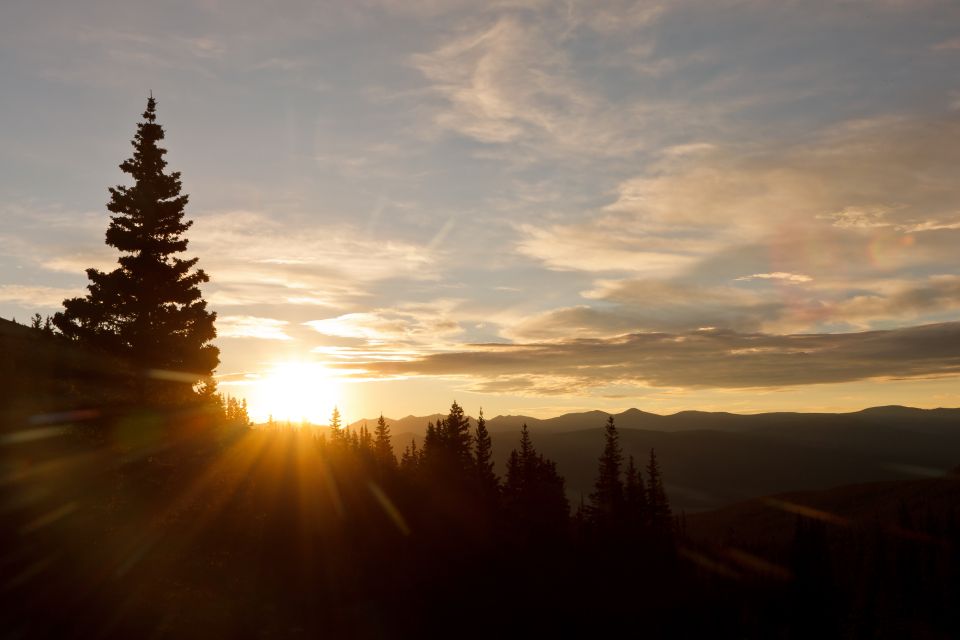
(714,459)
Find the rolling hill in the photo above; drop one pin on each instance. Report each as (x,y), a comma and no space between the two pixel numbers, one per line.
(714,459)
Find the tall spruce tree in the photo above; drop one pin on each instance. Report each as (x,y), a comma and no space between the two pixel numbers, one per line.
(483,458)
(336,428)
(658,506)
(149,309)
(366,440)
(534,493)
(456,437)
(634,497)
(607,496)
(383,446)
(431,442)
(410,459)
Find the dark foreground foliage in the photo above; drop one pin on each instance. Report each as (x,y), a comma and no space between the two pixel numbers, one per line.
(126,520)
(188,524)
(152,525)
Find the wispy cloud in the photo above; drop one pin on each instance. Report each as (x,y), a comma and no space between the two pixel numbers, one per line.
(511,81)
(427,326)
(778,275)
(953,44)
(698,359)
(252,327)
(36,297)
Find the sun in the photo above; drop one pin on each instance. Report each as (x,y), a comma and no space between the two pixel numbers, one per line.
(295,391)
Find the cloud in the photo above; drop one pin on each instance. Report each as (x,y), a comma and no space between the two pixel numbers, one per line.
(778,275)
(859,217)
(385,326)
(599,247)
(428,325)
(512,81)
(79,261)
(626,306)
(255,238)
(697,359)
(251,327)
(256,259)
(36,296)
(936,294)
(929,225)
(952,44)
(252,258)
(690,148)
(861,175)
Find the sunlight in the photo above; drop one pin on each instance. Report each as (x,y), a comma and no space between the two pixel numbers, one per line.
(295,391)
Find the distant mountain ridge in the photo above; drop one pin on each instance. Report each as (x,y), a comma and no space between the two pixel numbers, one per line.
(714,459)
(772,519)
(688,420)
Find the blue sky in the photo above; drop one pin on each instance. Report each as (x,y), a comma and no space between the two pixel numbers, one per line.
(603,190)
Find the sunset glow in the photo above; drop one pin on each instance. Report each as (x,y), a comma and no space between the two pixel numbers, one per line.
(295,392)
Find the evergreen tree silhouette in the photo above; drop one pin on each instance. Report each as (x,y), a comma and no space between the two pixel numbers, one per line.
(457,440)
(234,411)
(336,429)
(658,507)
(431,442)
(410,459)
(487,479)
(534,493)
(382,445)
(149,309)
(634,497)
(366,440)
(607,497)
(41,324)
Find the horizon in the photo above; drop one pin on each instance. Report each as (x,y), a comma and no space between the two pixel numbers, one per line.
(348,423)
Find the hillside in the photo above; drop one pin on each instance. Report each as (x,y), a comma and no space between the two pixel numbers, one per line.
(40,373)
(771,521)
(713,459)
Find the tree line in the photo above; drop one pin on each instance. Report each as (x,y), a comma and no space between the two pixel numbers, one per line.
(532,493)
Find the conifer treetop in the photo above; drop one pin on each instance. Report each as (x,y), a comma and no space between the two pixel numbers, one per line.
(149,309)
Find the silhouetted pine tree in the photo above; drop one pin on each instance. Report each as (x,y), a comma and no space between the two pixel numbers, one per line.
(634,497)
(431,443)
(513,485)
(457,440)
(520,467)
(366,440)
(658,507)
(234,411)
(336,429)
(607,497)
(44,326)
(410,459)
(383,447)
(534,493)
(150,308)
(483,463)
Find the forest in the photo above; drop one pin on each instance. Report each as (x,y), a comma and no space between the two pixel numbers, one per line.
(141,501)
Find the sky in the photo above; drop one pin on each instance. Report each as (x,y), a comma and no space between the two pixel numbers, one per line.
(530,207)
